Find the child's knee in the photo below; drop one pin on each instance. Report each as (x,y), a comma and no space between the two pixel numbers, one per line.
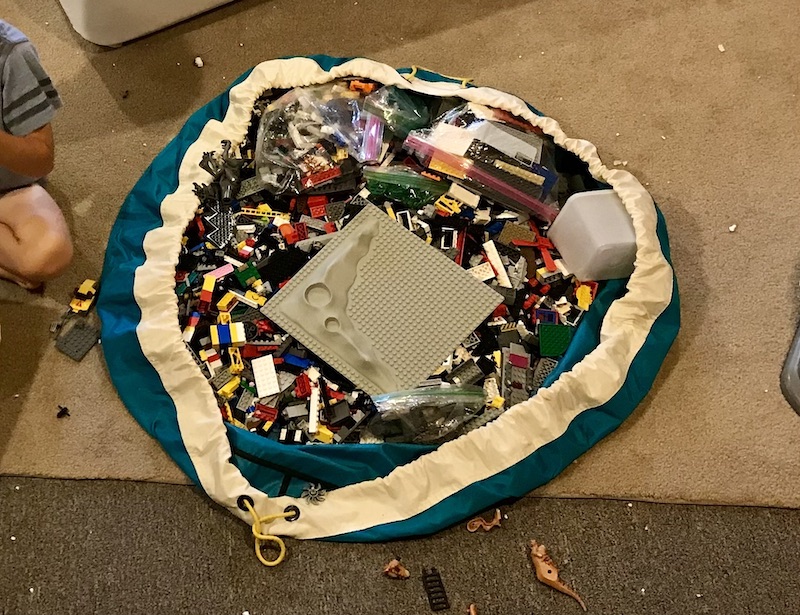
(50,257)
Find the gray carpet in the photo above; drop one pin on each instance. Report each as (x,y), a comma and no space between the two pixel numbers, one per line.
(126,547)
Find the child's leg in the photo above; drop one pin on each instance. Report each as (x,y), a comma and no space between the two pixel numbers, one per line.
(34,238)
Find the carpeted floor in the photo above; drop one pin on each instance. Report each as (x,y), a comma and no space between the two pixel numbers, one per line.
(710,132)
(137,548)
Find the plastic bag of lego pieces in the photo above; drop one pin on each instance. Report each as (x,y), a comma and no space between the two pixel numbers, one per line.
(500,184)
(403,185)
(340,110)
(427,415)
(402,112)
(295,142)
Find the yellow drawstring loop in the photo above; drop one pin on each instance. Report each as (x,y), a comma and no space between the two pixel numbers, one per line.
(464,80)
(261,538)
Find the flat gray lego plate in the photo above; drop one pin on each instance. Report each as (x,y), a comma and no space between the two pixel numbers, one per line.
(79,340)
(380,305)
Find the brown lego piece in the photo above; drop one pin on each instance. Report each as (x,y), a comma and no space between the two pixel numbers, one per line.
(473,525)
(396,570)
(547,572)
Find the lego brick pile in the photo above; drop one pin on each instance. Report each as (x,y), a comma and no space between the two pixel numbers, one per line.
(373,265)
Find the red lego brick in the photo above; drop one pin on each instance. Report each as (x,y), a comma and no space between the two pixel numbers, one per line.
(302,387)
(265,413)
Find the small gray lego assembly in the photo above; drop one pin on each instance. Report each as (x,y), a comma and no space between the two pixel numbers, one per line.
(79,340)
(515,379)
(372,304)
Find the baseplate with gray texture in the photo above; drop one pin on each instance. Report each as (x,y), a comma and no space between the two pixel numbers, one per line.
(380,305)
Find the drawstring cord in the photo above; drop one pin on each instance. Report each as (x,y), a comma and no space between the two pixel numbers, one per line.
(464,80)
(291,513)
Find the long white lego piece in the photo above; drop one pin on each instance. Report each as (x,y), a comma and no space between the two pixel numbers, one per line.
(313,410)
(497,264)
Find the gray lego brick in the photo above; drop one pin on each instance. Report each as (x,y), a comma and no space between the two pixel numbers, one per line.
(221,378)
(79,340)
(543,369)
(334,211)
(245,400)
(380,305)
(515,382)
(466,373)
(249,187)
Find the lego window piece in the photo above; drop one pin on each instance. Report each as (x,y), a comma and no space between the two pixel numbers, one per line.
(373,291)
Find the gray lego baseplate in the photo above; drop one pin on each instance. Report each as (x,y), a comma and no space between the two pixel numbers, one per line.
(380,305)
(79,340)
(482,419)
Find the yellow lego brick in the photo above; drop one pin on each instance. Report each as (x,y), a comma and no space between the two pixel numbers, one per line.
(498,358)
(209,282)
(584,296)
(227,390)
(448,205)
(214,333)
(227,302)
(223,318)
(237,365)
(340,154)
(497,402)
(324,434)
(255,297)
(237,334)
(441,167)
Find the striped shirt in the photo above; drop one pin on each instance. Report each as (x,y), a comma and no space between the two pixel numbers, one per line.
(28,99)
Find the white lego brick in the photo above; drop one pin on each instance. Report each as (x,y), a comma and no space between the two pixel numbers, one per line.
(265,376)
(482,216)
(497,264)
(463,195)
(562,268)
(232,261)
(241,298)
(483,272)
(188,334)
(313,374)
(313,410)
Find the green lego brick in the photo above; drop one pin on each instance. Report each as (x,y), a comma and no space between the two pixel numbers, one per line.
(554,339)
